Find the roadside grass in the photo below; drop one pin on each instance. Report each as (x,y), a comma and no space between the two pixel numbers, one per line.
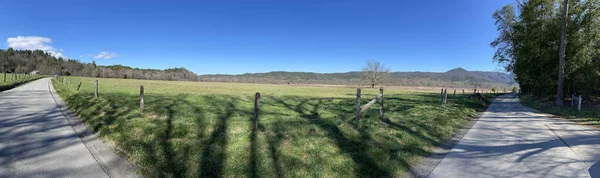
(200,129)
(588,116)
(12,81)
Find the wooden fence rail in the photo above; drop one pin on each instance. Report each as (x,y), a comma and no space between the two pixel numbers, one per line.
(360,109)
(364,107)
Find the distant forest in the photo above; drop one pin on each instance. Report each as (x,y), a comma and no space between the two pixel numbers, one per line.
(458,78)
(26,61)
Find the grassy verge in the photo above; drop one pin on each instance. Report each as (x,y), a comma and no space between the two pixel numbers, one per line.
(194,129)
(587,116)
(12,81)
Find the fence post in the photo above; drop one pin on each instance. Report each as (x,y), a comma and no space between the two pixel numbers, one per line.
(78,86)
(572,100)
(357,104)
(4,76)
(142,98)
(445,95)
(381,104)
(96,91)
(256,109)
(579,104)
(454,92)
(442,96)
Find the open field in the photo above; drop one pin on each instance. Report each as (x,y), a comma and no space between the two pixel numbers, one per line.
(13,80)
(406,88)
(193,129)
(589,115)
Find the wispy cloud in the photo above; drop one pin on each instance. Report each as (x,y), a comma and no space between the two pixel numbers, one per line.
(33,43)
(105,55)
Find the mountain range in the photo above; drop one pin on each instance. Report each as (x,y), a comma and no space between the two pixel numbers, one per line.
(457,77)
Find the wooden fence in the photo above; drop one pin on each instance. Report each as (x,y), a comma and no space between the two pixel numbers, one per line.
(359,108)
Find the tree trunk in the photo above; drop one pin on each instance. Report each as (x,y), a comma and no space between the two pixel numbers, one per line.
(561,55)
(372,85)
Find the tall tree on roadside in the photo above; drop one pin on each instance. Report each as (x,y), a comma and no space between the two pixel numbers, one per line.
(530,36)
(561,55)
(375,73)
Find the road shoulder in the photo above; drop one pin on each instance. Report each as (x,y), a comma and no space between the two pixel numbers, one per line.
(427,164)
(112,163)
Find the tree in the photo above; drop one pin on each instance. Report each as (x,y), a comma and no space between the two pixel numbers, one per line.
(530,37)
(375,73)
(475,84)
(561,55)
(494,89)
(21,61)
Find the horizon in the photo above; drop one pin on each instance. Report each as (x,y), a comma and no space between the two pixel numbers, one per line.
(360,71)
(237,38)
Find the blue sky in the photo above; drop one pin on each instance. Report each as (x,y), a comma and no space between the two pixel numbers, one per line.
(234,37)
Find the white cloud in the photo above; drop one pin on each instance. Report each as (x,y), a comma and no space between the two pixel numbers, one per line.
(105,55)
(33,43)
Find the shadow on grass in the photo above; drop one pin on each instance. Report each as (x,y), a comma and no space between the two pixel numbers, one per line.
(188,135)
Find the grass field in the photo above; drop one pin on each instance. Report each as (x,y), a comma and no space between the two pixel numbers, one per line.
(589,115)
(193,129)
(14,80)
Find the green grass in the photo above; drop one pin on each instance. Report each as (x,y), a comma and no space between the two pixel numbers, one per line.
(14,80)
(193,129)
(587,116)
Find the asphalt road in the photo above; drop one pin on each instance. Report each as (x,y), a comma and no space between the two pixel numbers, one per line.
(36,140)
(511,140)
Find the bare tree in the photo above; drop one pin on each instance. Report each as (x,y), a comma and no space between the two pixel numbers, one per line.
(475,84)
(375,73)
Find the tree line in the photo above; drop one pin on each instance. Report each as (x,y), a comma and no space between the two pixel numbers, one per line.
(26,61)
(529,44)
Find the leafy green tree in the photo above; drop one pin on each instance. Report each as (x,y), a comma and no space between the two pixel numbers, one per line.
(530,37)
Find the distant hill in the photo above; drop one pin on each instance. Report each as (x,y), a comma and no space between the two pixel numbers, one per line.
(458,77)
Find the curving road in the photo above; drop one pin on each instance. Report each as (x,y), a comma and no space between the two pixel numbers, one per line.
(37,139)
(511,140)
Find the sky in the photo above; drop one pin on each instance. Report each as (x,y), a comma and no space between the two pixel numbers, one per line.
(235,37)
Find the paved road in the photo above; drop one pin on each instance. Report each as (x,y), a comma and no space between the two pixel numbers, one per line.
(510,140)
(36,140)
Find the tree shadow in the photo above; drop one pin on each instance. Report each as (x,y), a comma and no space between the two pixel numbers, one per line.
(357,149)
(188,135)
(213,157)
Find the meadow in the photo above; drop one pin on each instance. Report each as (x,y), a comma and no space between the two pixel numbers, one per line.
(204,129)
(14,80)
